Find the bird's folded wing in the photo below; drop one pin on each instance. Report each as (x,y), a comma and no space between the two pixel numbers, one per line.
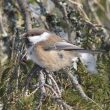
(67,46)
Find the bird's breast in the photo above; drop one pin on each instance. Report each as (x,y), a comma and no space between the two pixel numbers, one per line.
(52,60)
(33,56)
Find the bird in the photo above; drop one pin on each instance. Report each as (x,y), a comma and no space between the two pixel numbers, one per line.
(54,53)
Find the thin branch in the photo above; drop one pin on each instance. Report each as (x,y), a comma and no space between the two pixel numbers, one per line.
(2,29)
(61,102)
(23,4)
(42,89)
(79,88)
(62,7)
(53,91)
(33,92)
(55,84)
(34,70)
(91,3)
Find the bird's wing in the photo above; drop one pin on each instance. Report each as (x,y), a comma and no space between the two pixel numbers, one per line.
(61,46)
(68,46)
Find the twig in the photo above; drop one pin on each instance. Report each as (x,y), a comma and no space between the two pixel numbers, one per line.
(108,9)
(53,91)
(62,7)
(94,12)
(42,82)
(23,4)
(42,89)
(34,70)
(77,85)
(33,92)
(2,29)
(79,88)
(75,3)
(80,8)
(17,80)
(55,84)
(61,102)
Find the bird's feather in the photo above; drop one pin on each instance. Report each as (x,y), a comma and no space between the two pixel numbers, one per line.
(68,46)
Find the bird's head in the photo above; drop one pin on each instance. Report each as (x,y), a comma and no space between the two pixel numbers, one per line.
(35,35)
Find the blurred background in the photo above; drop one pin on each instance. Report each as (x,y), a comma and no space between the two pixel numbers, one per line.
(85,23)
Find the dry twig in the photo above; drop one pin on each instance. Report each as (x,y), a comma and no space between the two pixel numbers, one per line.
(23,4)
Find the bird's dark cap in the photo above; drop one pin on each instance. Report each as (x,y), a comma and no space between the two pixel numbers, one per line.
(33,32)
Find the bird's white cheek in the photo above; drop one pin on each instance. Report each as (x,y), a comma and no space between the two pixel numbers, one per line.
(39,38)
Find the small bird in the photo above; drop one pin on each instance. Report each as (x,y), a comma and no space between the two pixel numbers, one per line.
(53,53)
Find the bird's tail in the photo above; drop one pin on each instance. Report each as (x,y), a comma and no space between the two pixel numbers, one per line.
(89,62)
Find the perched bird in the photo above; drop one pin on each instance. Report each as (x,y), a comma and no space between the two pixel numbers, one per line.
(53,53)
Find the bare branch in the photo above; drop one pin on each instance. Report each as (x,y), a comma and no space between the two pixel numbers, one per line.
(23,4)
(79,88)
